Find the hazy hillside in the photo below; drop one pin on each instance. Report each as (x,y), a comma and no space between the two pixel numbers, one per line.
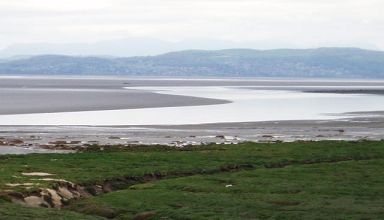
(323,62)
(127,47)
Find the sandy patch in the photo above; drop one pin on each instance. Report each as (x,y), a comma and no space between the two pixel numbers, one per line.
(21,184)
(37,174)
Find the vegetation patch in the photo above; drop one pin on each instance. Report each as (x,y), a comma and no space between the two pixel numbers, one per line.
(245,181)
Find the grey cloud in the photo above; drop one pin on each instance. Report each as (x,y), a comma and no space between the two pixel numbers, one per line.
(298,23)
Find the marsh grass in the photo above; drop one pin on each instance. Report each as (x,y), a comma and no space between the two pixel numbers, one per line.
(283,180)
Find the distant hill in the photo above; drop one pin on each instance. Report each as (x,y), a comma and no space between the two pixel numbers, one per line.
(322,62)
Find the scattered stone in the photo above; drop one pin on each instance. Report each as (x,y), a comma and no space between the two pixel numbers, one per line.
(133,142)
(53,198)
(15,197)
(94,190)
(65,193)
(11,142)
(15,141)
(230,138)
(46,146)
(267,136)
(35,201)
(58,142)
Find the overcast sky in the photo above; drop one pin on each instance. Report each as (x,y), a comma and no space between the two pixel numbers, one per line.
(262,23)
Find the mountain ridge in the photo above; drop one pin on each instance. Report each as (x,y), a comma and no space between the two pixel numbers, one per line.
(327,62)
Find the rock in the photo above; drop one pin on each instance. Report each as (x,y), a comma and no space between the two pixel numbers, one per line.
(65,193)
(107,187)
(15,141)
(81,192)
(54,198)
(51,198)
(94,190)
(267,136)
(230,138)
(58,142)
(14,197)
(11,142)
(35,201)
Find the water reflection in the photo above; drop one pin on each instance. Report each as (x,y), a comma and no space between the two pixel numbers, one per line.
(247,105)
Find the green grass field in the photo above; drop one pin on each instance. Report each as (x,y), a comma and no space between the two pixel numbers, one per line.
(301,180)
(345,190)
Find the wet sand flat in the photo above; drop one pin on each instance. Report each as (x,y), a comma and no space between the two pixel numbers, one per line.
(23,101)
(23,95)
(36,95)
(365,125)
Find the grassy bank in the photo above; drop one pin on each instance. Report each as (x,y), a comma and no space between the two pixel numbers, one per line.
(345,190)
(282,180)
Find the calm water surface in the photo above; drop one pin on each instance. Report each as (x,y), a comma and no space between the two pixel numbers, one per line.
(247,105)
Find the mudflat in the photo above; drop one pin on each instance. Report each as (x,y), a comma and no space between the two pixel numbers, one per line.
(38,95)
(32,139)
(22,95)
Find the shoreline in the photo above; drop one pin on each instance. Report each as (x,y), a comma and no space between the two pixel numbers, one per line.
(65,95)
(365,125)
(55,95)
(350,91)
